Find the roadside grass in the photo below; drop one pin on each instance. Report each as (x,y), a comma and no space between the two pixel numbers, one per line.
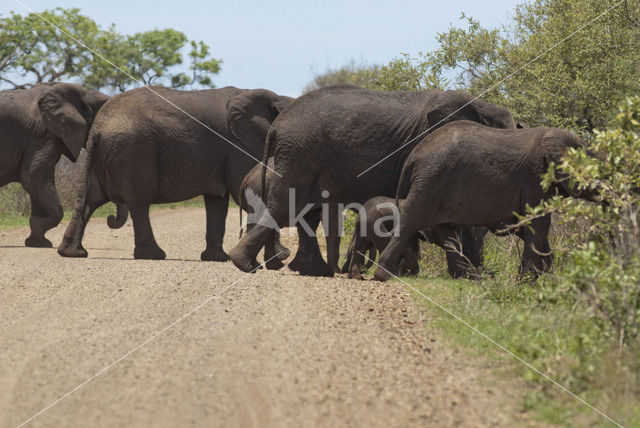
(15,207)
(554,335)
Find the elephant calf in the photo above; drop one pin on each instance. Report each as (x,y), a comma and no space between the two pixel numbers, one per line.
(251,199)
(472,175)
(373,232)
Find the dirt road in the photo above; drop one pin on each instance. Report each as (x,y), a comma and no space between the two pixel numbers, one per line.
(268,349)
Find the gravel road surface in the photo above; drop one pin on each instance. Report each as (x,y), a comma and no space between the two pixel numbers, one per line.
(265,349)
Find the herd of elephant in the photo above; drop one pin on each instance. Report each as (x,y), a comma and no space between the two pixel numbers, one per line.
(452,167)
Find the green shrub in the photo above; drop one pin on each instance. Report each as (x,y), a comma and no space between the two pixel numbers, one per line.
(601,268)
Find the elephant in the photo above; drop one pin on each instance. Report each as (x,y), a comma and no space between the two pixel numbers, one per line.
(375,226)
(250,196)
(467,174)
(159,145)
(372,231)
(39,125)
(344,145)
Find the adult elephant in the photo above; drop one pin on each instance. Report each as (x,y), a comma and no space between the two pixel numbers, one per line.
(328,146)
(467,174)
(37,126)
(160,145)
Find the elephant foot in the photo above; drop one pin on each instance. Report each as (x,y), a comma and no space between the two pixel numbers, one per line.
(274,264)
(242,261)
(72,252)
(282,252)
(316,269)
(335,268)
(355,274)
(214,255)
(295,264)
(409,269)
(381,275)
(38,242)
(149,253)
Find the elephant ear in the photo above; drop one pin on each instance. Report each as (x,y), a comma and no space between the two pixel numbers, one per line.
(250,114)
(64,121)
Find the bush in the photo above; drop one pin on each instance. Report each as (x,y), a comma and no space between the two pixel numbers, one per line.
(601,270)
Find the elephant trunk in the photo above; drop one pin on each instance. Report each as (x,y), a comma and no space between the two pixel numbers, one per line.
(119,220)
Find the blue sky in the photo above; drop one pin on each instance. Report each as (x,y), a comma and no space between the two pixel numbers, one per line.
(280,44)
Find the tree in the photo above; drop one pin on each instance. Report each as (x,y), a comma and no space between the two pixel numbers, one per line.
(349,74)
(574,61)
(564,63)
(32,51)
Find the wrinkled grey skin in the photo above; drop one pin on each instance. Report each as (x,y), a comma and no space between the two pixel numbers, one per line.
(37,126)
(378,213)
(274,251)
(381,207)
(329,136)
(467,174)
(142,150)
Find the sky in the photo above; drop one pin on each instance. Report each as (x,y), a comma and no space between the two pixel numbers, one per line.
(281,44)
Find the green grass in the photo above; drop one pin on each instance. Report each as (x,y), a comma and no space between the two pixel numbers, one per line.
(555,336)
(12,220)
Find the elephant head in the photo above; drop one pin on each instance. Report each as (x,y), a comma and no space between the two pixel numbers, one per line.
(250,114)
(449,106)
(67,111)
(554,145)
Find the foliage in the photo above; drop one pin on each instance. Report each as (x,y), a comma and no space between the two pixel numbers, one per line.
(555,65)
(33,51)
(349,74)
(404,73)
(563,63)
(603,266)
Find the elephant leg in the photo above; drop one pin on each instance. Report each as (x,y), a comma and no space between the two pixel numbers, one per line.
(466,256)
(93,198)
(216,208)
(282,251)
(46,212)
(271,255)
(536,257)
(146,246)
(412,219)
(332,236)
(357,254)
(411,257)
(313,220)
(308,260)
(243,255)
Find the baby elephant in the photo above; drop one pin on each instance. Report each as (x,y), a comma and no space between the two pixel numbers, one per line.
(374,228)
(250,200)
(471,175)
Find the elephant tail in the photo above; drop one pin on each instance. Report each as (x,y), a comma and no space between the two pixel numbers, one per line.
(240,210)
(404,182)
(119,220)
